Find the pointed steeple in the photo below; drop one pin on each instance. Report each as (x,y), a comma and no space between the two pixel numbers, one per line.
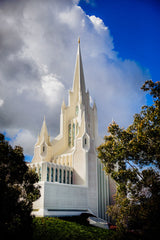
(44,133)
(79,82)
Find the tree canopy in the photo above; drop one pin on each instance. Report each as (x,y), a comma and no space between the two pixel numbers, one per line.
(17,190)
(136,152)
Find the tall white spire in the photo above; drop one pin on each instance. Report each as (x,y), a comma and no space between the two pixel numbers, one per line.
(44,133)
(79,82)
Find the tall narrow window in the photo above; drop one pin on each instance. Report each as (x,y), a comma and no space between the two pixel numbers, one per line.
(60,175)
(71,177)
(48,172)
(77,110)
(52,174)
(73,130)
(69,135)
(64,176)
(39,173)
(67,177)
(56,175)
(43,148)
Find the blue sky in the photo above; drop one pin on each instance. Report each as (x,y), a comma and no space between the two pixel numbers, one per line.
(135,27)
(120,50)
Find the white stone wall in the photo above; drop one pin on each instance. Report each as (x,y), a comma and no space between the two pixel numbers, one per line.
(92,180)
(79,164)
(60,199)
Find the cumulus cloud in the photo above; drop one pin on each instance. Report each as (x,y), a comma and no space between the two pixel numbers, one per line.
(24,137)
(38,44)
(98,23)
(52,88)
(1,102)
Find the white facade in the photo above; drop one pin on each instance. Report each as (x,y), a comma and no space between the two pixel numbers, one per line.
(70,175)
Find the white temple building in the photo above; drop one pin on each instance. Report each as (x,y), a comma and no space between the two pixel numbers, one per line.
(70,175)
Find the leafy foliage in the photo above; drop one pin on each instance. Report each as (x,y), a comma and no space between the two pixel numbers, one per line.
(136,153)
(17,190)
(54,228)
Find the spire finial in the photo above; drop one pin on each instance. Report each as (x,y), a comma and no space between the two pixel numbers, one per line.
(79,82)
(79,40)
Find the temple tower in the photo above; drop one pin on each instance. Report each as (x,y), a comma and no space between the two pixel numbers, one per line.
(71,176)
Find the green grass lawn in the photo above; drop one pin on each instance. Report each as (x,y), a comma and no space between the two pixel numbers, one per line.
(54,228)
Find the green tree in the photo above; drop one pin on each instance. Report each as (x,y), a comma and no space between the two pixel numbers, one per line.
(17,191)
(136,152)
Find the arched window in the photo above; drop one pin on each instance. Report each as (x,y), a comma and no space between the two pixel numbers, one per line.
(60,175)
(43,149)
(48,173)
(69,135)
(52,174)
(56,175)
